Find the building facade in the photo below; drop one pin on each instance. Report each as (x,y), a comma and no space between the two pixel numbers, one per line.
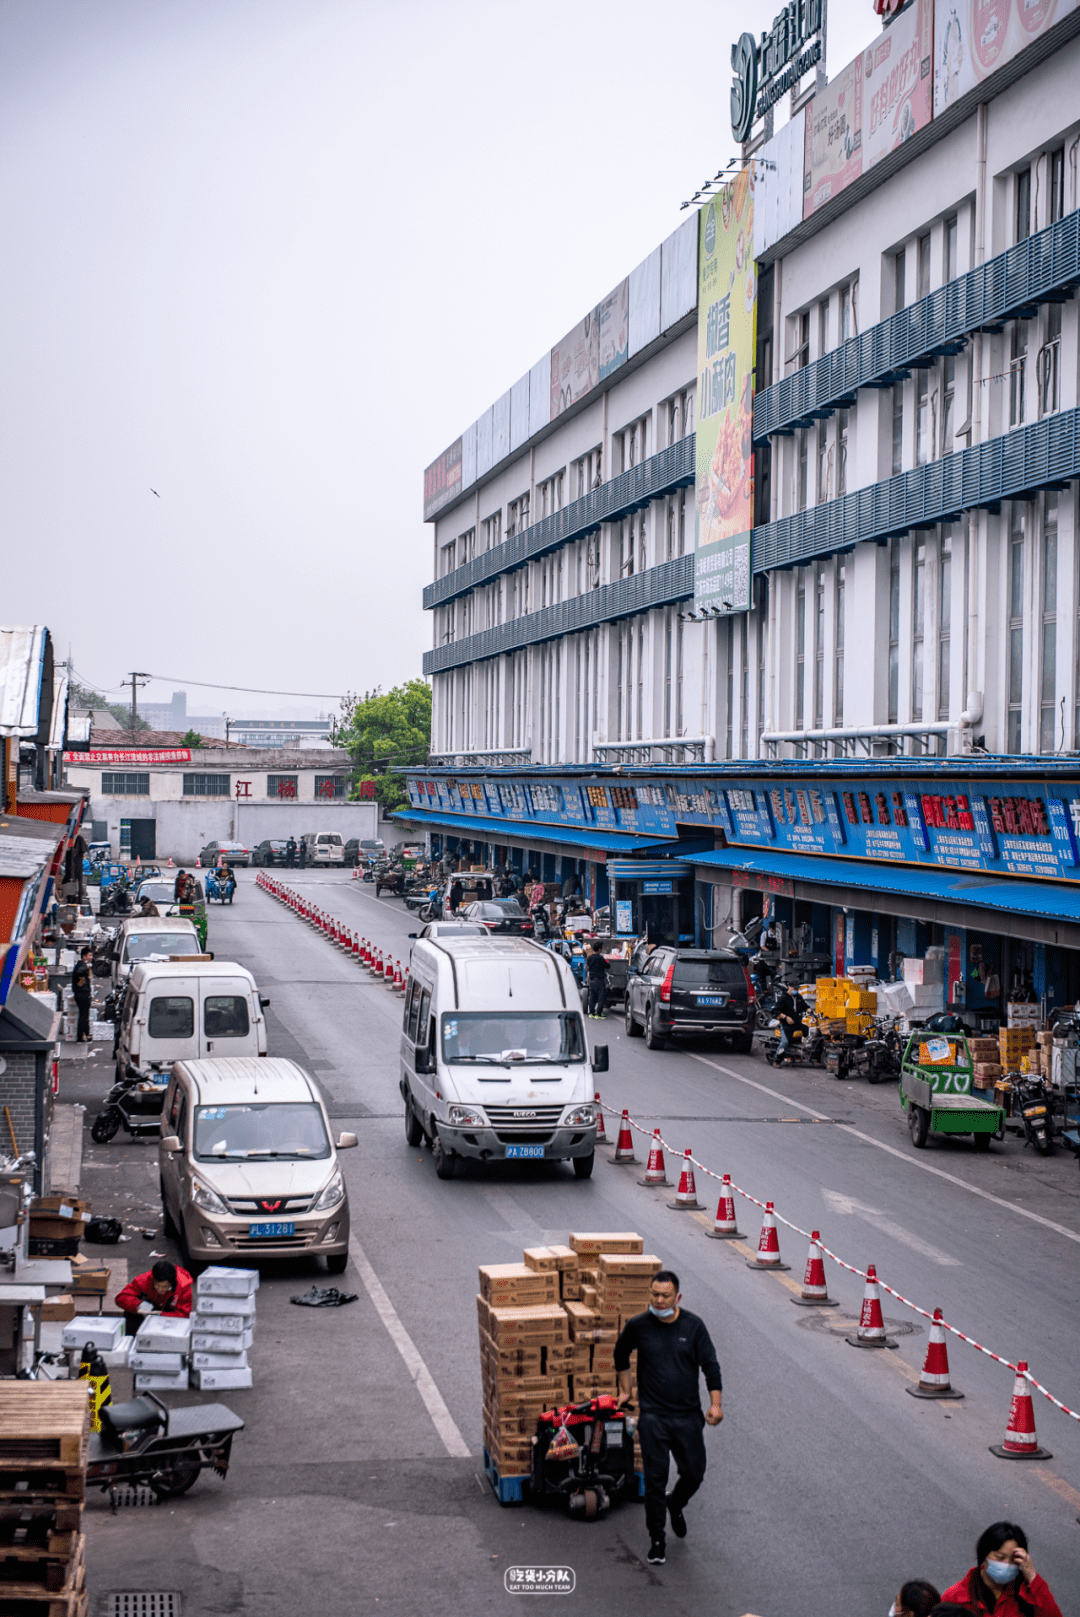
(911,603)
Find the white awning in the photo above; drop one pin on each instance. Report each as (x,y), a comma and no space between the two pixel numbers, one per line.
(22,656)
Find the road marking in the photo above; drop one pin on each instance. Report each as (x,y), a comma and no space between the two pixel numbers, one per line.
(845,1205)
(1059,1485)
(443,1421)
(912,1162)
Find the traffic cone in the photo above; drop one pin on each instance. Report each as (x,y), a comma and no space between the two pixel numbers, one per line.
(379,964)
(1020,1440)
(624,1145)
(656,1171)
(725,1227)
(365,952)
(768,1248)
(171,865)
(198,862)
(392,977)
(686,1196)
(399,979)
(871,1331)
(815,1293)
(356,946)
(934,1380)
(601,1131)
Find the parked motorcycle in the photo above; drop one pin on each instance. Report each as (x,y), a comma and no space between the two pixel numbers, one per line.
(143,1441)
(875,1057)
(133,1103)
(802,1050)
(116,900)
(1032,1105)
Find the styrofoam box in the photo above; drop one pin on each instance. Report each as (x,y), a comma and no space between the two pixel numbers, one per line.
(924,971)
(223,1324)
(161,1333)
(219,1361)
(924,994)
(103,1330)
(147,1381)
(225,1305)
(162,1364)
(213,1342)
(209,1380)
(221,1282)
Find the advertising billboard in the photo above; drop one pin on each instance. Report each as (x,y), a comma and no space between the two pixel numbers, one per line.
(973,37)
(727,331)
(834,132)
(575,364)
(613,316)
(442,480)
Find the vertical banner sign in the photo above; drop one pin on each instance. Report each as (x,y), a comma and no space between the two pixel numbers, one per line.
(727,333)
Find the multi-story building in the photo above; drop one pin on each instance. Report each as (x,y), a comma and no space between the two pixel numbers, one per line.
(900,261)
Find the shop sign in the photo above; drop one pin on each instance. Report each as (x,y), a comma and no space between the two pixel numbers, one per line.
(130,755)
(782,886)
(624,917)
(1064,825)
(655,887)
(596,856)
(766,69)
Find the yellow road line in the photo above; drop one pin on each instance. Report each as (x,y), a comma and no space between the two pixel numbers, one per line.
(1060,1486)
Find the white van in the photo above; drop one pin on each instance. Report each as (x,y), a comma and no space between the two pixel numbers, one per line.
(179,1012)
(323,848)
(249,1165)
(151,938)
(494,1061)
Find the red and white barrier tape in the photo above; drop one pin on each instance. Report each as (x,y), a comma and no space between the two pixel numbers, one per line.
(850,1267)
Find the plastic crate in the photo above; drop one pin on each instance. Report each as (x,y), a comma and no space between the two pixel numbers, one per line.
(508,1490)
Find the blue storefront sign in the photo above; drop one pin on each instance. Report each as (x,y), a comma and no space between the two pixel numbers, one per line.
(653,887)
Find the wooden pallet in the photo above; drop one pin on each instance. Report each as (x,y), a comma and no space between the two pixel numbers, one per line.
(51,1515)
(69,1605)
(44,1584)
(21,1483)
(34,1539)
(44,1423)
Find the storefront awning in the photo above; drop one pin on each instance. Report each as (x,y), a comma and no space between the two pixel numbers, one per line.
(580,837)
(849,881)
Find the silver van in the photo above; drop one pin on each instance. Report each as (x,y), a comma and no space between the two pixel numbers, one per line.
(323,848)
(249,1165)
(494,1060)
(179,1012)
(151,938)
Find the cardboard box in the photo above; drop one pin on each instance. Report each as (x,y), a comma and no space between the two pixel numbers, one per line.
(221,1380)
(225,1305)
(223,1324)
(66,1207)
(162,1364)
(219,1361)
(160,1333)
(510,1326)
(222,1282)
(58,1309)
(103,1331)
(89,1279)
(151,1382)
(613,1242)
(507,1285)
(43,1228)
(214,1342)
(571,1289)
(633,1266)
(547,1258)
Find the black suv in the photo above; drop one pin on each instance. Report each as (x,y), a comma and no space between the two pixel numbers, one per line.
(691,991)
(270,852)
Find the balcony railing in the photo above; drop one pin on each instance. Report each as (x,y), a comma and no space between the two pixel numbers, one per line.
(665,750)
(1010,286)
(672,468)
(658,586)
(492,758)
(1045,454)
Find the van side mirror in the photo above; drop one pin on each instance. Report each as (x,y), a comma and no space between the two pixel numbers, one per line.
(414,934)
(263,1001)
(425,1062)
(600,1058)
(171,1142)
(344,1141)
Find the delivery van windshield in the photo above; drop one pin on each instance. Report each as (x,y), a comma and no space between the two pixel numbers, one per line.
(514,1036)
(140,946)
(278,1129)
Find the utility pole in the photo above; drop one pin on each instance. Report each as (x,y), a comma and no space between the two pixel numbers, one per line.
(135,703)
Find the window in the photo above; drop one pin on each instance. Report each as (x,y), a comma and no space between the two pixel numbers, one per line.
(897,428)
(281,785)
(898,273)
(1048,648)
(948,404)
(588,473)
(206,785)
(944,622)
(922,283)
(680,415)
(924,430)
(1048,364)
(1023,204)
(125,783)
(918,620)
(823,461)
(800,342)
(172,1016)
(800,651)
(848,301)
(819,648)
(803,441)
(632,444)
(517,516)
(412,1010)
(676,525)
(330,786)
(894,633)
(1057,185)
(549,495)
(491,531)
(838,669)
(225,1016)
(1016,627)
(823,325)
(948,257)
(842,421)
(1017,365)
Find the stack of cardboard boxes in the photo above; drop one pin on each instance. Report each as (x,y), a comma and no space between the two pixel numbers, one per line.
(548,1328)
(1014,1043)
(223,1328)
(986,1056)
(159,1353)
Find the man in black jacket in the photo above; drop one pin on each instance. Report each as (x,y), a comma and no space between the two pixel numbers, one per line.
(673,1349)
(83,993)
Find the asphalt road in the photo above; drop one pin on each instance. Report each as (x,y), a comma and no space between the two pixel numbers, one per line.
(358,1479)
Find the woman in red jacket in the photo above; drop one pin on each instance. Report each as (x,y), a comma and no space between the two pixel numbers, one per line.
(165,1288)
(1003,1581)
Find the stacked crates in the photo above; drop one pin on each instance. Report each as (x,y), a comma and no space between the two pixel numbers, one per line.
(44,1448)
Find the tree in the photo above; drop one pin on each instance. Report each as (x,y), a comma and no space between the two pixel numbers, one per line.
(383,729)
(192,740)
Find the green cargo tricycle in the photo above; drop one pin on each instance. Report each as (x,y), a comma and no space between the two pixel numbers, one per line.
(936,1091)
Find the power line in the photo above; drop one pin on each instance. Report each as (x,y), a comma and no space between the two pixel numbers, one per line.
(251,690)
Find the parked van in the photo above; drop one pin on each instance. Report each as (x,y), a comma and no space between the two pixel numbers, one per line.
(179,1012)
(249,1165)
(323,848)
(151,938)
(494,1062)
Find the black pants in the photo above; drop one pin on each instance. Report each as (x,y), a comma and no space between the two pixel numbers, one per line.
(597,995)
(661,1437)
(83,1001)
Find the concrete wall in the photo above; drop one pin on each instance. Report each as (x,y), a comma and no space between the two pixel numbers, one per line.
(186,825)
(27,1094)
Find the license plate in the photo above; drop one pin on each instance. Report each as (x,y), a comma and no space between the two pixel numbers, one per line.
(524,1150)
(269,1232)
(712,999)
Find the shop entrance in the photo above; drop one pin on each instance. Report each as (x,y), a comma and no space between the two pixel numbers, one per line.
(143,839)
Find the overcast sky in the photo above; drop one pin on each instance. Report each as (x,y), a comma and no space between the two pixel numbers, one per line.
(268,257)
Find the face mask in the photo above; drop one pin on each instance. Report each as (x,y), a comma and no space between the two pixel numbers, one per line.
(1000,1571)
(894,1610)
(662,1313)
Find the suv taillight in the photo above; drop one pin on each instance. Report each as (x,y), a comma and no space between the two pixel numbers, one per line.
(665,986)
(751,997)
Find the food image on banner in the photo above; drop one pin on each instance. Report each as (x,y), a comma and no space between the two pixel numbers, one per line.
(834,138)
(613,315)
(973,37)
(898,82)
(575,364)
(727,331)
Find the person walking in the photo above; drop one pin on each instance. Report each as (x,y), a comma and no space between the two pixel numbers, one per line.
(596,976)
(1003,1579)
(673,1349)
(82,990)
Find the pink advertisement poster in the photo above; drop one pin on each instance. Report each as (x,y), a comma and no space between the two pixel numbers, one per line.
(834,139)
(898,82)
(973,37)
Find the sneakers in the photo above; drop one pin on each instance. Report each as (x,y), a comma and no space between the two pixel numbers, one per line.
(678,1520)
(657,1552)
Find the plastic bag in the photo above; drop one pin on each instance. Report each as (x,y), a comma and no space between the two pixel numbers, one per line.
(104,1231)
(328,1297)
(562,1445)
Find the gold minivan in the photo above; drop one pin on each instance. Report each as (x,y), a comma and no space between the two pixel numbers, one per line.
(249,1165)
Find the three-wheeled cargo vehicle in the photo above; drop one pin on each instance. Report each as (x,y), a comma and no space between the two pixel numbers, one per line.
(936,1076)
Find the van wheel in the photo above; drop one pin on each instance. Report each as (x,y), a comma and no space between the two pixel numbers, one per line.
(583,1166)
(336,1263)
(632,1029)
(413,1132)
(919,1124)
(443,1159)
(653,1040)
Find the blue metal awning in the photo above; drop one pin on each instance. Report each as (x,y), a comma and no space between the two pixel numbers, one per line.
(1051,901)
(582,837)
